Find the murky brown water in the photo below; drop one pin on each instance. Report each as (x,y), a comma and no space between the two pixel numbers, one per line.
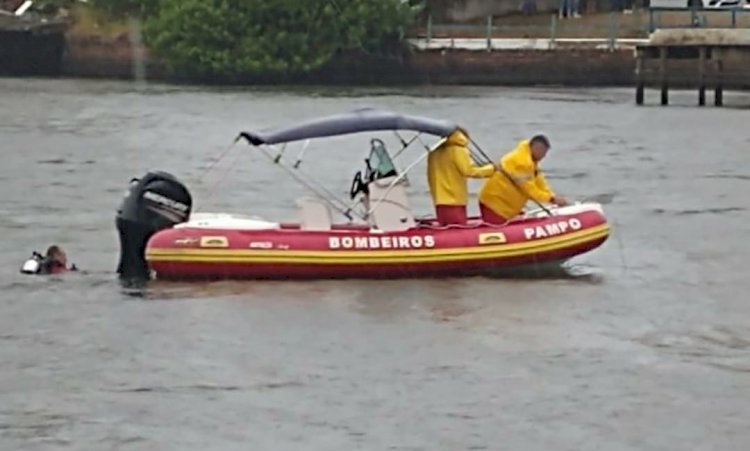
(649,350)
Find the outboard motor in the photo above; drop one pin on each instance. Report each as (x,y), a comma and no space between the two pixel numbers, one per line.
(154,202)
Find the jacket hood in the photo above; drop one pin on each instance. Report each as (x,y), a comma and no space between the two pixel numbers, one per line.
(524,148)
(458,138)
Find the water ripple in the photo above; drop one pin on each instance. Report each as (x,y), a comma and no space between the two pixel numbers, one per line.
(699,211)
(209,387)
(721,347)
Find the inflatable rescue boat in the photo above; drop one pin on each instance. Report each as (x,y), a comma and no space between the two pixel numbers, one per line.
(380,237)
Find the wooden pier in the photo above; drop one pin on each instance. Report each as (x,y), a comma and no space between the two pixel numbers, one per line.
(702,59)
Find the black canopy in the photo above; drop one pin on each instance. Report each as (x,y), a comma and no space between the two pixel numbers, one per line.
(363,120)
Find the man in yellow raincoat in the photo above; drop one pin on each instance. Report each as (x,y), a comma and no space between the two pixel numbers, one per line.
(448,167)
(519,179)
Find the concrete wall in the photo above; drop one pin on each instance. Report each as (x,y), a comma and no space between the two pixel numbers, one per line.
(572,67)
(569,67)
(30,53)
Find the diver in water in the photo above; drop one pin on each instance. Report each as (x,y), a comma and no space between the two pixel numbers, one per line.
(55,262)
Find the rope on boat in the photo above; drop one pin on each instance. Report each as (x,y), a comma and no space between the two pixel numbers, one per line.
(213,164)
(317,188)
(224,176)
(198,180)
(620,247)
(309,183)
(300,176)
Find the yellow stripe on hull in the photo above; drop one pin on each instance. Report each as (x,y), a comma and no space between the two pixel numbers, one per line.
(354,257)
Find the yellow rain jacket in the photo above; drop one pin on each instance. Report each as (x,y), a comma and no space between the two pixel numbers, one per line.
(448,167)
(501,196)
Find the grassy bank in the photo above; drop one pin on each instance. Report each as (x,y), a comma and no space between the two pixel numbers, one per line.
(88,22)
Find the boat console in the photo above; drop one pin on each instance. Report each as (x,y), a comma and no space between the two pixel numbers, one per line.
(389,206)
(315,214)
(384,192)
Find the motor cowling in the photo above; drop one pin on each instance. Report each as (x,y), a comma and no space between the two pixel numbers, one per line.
(155,202)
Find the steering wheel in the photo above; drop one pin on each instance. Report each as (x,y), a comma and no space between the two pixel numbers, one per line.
(357,185)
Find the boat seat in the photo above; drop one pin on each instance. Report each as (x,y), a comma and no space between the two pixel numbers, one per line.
(315,214)
(392,212)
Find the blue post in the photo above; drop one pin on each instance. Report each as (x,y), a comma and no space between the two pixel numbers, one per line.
(552,32)
(734,18)
(650,20)
(429,28)
(489,33)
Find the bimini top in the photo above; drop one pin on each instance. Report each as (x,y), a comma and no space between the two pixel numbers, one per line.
(362,120)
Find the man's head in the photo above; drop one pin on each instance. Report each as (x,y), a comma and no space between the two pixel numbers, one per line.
(56,254)
(539,146)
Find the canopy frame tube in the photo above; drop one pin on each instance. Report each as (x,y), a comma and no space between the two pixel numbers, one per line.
(363,120)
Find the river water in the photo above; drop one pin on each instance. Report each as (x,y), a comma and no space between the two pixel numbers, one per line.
(647,347)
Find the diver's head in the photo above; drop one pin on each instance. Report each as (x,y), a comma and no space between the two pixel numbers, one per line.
(57,255)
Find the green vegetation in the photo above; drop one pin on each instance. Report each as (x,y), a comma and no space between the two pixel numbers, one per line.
(133,8)
(115,8)
(228,39)
(267,37)
(231,38)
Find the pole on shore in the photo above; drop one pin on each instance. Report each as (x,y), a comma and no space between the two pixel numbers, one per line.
(489,33)
(612,31)
(552,32)
(719,93)
(651,25)
(663,75)
(702,76)
(429,28)
(639,76)
(137,55)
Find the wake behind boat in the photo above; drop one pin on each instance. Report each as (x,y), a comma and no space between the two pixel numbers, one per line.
(380,238)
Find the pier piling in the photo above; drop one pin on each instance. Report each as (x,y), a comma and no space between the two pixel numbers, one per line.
(702,76)
(663,80)
(719,92)
(698,59)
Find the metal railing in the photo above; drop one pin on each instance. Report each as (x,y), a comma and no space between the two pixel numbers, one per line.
(611,29)
(699,18)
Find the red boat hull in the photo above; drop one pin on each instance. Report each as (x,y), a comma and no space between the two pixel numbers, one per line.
(355,252)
